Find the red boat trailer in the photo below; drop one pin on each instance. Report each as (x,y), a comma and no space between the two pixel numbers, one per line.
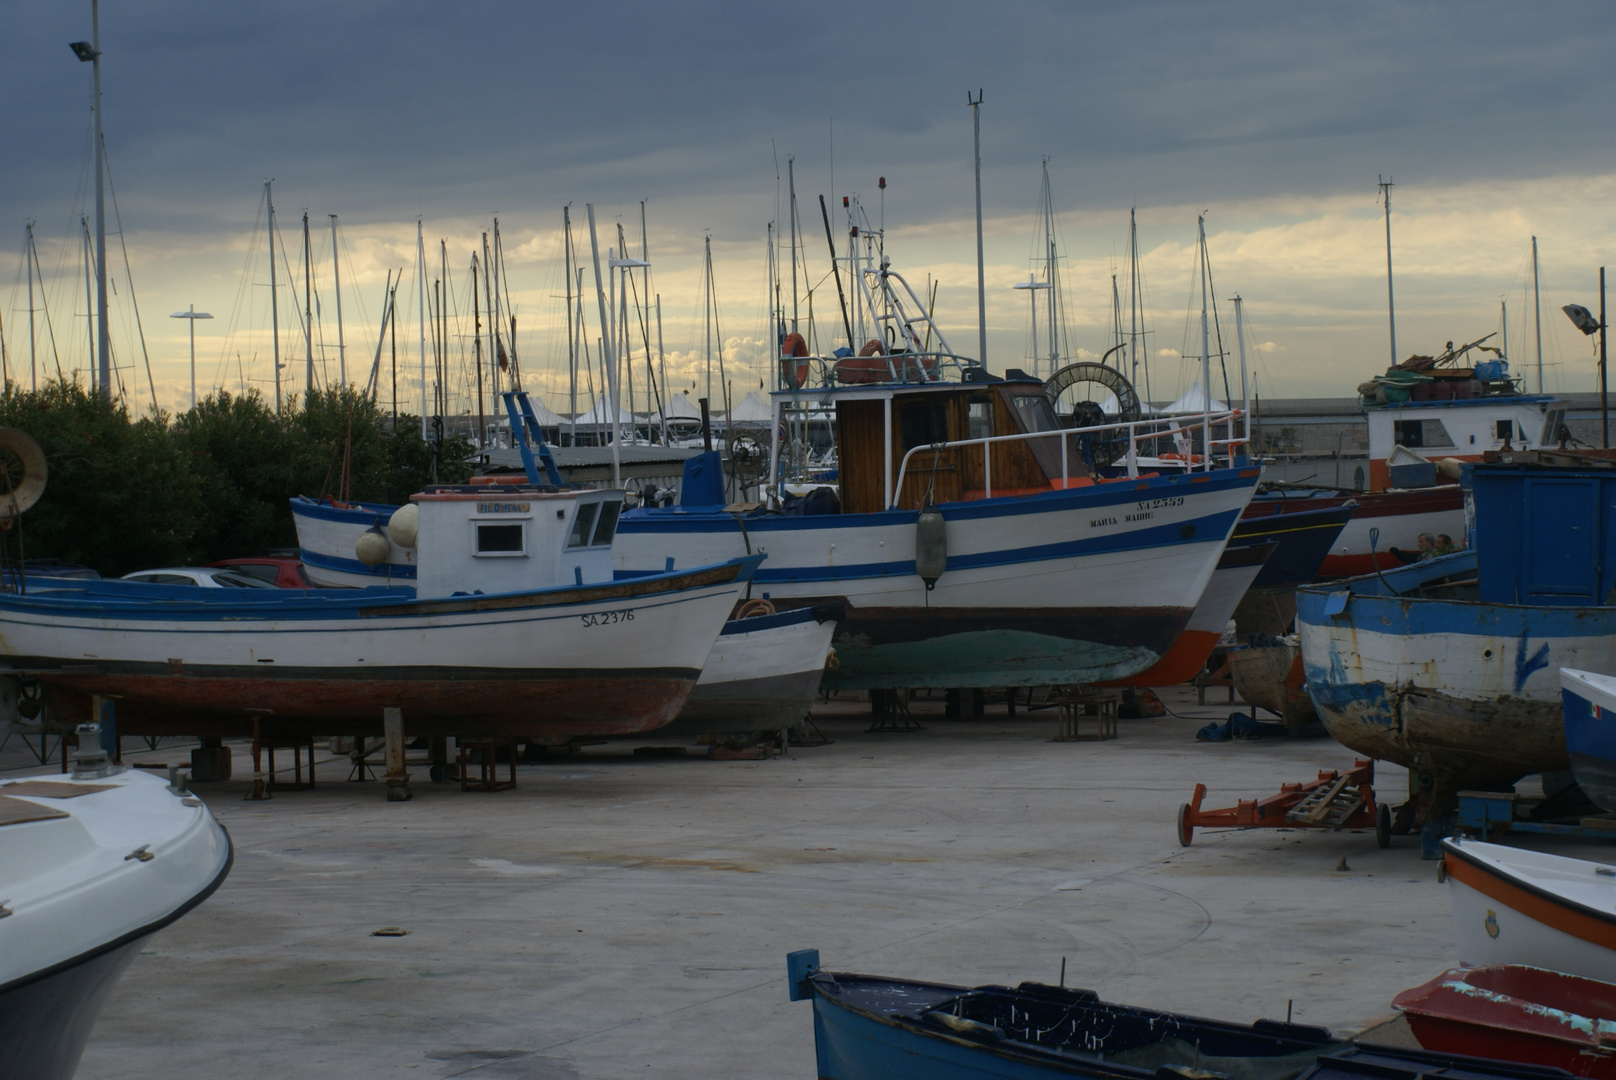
(1336,800)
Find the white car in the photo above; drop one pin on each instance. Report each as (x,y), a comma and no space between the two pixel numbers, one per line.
(208,577)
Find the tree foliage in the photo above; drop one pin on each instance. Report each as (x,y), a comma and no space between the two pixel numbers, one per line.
(131,493)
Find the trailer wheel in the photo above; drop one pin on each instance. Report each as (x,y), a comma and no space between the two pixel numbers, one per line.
(1186,831)
(1383,826)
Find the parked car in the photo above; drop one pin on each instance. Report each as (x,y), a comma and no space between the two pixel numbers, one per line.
(282,568)
(208,577)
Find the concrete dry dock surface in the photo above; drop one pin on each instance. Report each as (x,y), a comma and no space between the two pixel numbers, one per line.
(623,917)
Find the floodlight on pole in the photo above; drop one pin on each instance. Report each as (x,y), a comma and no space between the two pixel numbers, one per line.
(191,316)
(1588,323)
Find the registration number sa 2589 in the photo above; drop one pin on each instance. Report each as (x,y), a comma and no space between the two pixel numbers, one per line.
(608,618)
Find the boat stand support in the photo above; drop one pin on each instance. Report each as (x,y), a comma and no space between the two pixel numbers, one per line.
(397,779)
(891,711)
(260,783)
(1336,800)
(1488,815)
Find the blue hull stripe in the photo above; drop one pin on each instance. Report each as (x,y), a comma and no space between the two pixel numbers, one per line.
(398,571)
(1402,616)
(365,515)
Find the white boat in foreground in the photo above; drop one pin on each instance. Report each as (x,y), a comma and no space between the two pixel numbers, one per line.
(90,868)
(1524,907)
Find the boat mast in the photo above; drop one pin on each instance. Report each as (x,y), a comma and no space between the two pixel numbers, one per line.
(477,353)
(1537,317)
(1391,308)
(101,355)
(608,359)
(662,364)
(336,283)
(499,318)
(420,278)
(1245,388)
(89,306)
(1206,357)
(707,312)
(274,293)
(791,188)
(981,277)
(33,378)
(308,317)
(572,343)
(1049,268)
(1135,297)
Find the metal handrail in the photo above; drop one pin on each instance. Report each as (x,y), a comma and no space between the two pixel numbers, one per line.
(986,442)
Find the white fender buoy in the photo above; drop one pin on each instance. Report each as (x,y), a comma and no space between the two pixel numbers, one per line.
(931,545)
(373,547)
(405,525)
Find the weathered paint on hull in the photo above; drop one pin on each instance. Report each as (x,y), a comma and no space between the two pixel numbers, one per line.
(548,706)
(947,648)
(1270,677)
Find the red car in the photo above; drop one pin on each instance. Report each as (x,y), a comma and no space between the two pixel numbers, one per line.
(283,569)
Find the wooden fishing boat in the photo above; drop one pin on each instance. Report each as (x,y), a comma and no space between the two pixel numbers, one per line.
(328,531)
(971,549)
(874,1028)
(1517,1013)
(93,865)
(1450,666)
(491,642)
(1524,907)
(1589,704)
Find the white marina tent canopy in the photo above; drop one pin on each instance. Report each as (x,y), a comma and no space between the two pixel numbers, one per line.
(751,410)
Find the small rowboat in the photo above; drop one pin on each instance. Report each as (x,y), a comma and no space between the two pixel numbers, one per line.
(1589,702)
(1517,1013)
(90,868)
(1524,907)
(872,1028)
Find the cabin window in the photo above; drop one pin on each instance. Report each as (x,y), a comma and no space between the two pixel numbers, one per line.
(1551,427)
(1503,430)
(501,539)
(1035,412)
(583,526)
(922,423)
(1417,433)
(606,528)
(979,419)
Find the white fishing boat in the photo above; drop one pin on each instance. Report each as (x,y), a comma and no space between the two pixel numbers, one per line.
(1588,701)
(328,531)
(1524,907)
(516,628)
(91,866)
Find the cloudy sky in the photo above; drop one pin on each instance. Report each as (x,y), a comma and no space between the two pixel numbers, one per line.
(1272,119)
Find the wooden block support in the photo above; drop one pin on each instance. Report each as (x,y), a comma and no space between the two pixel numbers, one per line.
(488,758)
(1079,705)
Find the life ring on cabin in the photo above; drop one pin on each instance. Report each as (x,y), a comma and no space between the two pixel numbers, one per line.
(793,361)
(873,347)
(22,473)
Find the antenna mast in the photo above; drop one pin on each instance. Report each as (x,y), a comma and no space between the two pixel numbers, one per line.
(1391,308)
(981,278)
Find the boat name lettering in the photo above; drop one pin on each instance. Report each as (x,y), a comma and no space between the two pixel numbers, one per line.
(1100,523)
(1143,515)
(608,618)
(503,508)
(1162,504)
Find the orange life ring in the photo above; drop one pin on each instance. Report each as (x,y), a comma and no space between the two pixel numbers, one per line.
(793,362)
(873,347)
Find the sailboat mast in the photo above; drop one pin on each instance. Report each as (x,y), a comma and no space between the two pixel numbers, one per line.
(662,366)
(572,341)
(89,307)
(1245,388)
(336,283)
(308,314)
(608,359)
(477,352)
(1537,317)
(1049,267)
(1206,357)
(493,332)
(33,377)
(104,351)
(707,312)
(420,280)
(499,319)
(1391,307)
(791,189)
(274,293)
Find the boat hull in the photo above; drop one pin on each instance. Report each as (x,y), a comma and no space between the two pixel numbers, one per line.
(1504,917)
(1517,1013)
(1271,677)
(1399,515)
(1464,690)
(762,674)
(1063,587)
(607,659)
(327,533)
(1588,701)
(45,1023)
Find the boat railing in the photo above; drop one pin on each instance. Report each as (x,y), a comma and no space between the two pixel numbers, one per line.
(1065,435)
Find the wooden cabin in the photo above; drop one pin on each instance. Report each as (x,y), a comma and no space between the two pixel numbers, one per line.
(897,418)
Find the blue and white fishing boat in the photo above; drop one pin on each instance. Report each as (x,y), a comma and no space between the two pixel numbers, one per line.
(328,531)
(1589,701)
(516,628)
(971,534)
(1450,667)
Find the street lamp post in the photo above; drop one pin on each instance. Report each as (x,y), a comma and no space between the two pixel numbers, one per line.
(191,316)
(1584,320)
